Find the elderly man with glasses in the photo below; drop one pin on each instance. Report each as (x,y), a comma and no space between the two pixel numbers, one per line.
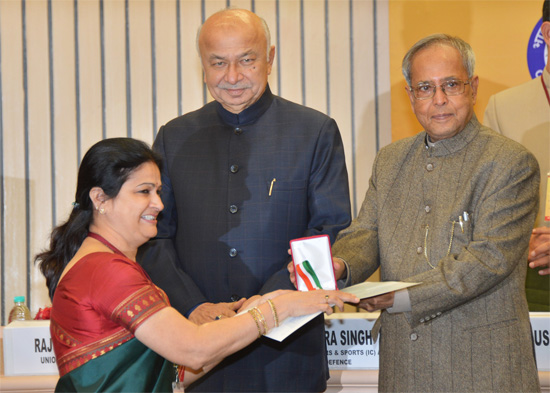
(452,209)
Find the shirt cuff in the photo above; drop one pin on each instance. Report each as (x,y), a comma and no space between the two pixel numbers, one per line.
(401,302)
(344,281)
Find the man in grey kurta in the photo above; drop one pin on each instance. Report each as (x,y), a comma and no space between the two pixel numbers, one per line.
(450,208)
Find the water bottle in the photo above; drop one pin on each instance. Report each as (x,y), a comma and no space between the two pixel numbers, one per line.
(19,312)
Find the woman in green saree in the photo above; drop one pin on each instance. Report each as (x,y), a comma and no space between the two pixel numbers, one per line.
(112,328)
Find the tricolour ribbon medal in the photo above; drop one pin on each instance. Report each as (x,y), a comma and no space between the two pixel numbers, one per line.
(308,276)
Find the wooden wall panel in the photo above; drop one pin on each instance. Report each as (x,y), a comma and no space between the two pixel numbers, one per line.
(74,72)
(114,68)
(191,85)
(14,233)
(338,72)
(269,11)
(141,91)
(38,144)
(90,101)
(314,52)
(64,132)
(371,117)
(289,47)
(165,90)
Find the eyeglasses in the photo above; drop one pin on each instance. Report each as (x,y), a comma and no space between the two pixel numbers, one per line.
(450,88)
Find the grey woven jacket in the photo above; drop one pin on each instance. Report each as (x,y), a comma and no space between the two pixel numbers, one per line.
(456,217)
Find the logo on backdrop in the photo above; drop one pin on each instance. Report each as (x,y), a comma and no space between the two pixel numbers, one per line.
(537,52)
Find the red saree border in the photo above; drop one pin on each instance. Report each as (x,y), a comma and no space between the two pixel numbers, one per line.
(84,354)
(131,313)
(62,335)
(139,306)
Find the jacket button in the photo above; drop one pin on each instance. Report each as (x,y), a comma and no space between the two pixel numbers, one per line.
(234,168)
(427,209)
(233,209)
(238,131)
(414,336)
(419,250)
(430,167)
(233,252)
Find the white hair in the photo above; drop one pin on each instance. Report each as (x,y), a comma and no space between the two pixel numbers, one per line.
(466,52)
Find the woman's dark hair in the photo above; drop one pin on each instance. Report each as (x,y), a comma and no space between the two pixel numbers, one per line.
(107,165)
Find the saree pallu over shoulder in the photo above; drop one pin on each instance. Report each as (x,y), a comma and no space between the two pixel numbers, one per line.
(130,367)
(130,313)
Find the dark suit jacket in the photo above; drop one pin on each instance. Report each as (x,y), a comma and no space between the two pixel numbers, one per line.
(222,233)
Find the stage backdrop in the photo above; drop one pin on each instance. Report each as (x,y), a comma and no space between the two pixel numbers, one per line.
(73,72)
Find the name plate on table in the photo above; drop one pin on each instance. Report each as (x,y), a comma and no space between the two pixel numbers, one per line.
(28,349)
(350,345)
(540,325)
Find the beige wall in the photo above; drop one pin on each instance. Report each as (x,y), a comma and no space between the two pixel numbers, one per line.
(497,30)
(69,77)
(72,76)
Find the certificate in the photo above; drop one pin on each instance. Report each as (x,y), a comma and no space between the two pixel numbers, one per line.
(364,290)
(369,289)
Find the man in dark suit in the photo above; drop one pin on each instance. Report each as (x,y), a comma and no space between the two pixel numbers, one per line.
(243,176)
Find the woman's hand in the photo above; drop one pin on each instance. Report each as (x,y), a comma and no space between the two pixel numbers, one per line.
(297,303)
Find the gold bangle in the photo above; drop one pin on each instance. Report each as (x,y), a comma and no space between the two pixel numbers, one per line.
(274,312)
(255,317)
(262,319)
